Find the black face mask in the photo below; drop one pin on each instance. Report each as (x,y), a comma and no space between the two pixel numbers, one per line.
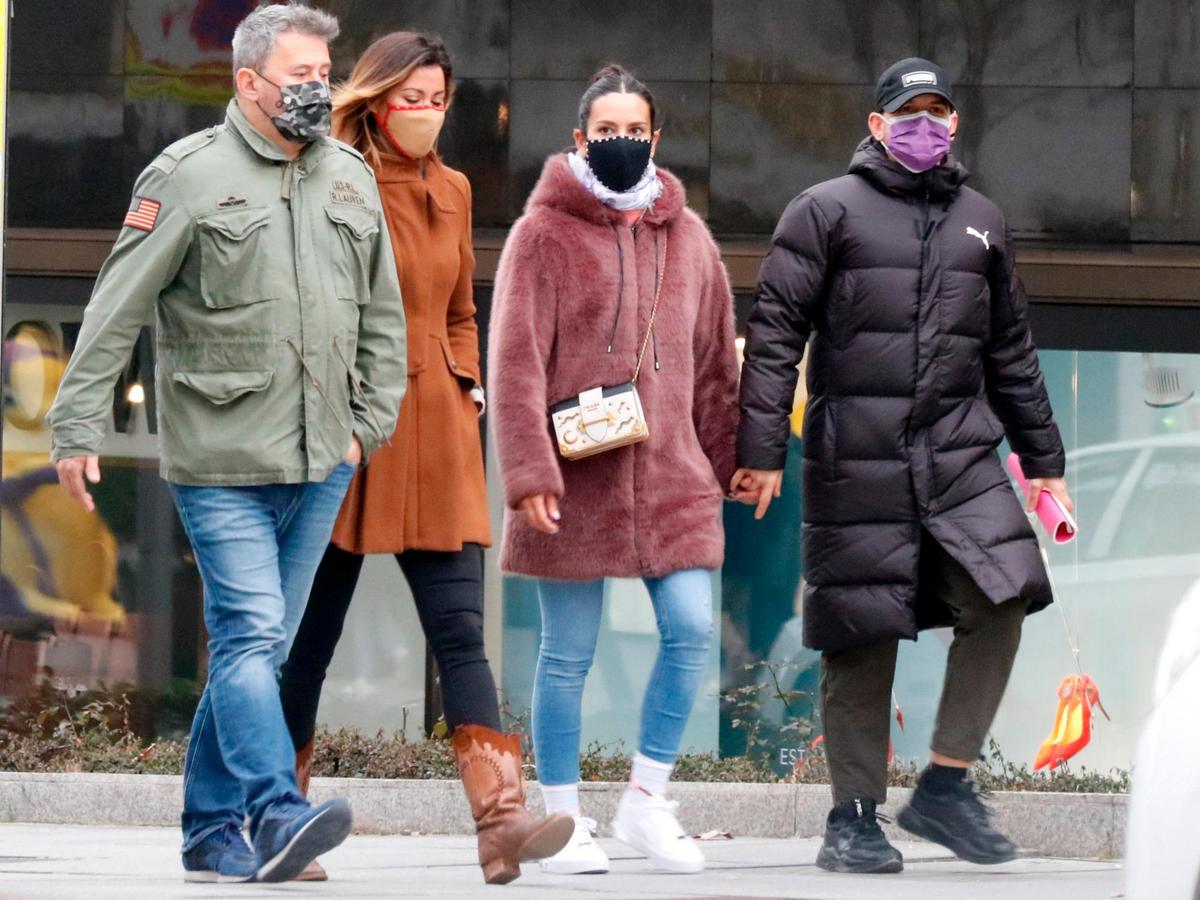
(618,162)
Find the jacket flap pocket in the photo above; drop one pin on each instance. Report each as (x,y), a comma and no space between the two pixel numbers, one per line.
(225,387)
(236,224)
(455,367)
(361,222)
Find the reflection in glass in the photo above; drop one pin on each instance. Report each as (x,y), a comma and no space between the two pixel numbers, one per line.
(58,561)
(1134,472)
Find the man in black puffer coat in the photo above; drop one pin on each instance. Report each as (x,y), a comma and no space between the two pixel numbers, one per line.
(899,280)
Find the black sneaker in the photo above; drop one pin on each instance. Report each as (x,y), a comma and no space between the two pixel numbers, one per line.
(957,819)
(854,842)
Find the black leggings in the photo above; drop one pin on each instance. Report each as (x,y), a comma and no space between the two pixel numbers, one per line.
(448,590)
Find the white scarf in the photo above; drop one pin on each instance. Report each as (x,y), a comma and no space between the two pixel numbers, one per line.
(640,196)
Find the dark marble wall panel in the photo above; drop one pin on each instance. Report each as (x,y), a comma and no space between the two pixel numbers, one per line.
(1056,160)
(1031,42)
(572,38)
(821,41)
(1168,43)
(544,117)
(475,31)
(770,142)
(66,152)
(760,97)
(1166,169)
(68,37)
(685,119)
(475,140)
(160,110)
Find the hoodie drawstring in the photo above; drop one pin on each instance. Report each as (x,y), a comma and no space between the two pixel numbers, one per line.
(620,287)
(657,274)
(612,337)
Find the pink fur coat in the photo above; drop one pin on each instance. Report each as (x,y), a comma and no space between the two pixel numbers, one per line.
(573,280)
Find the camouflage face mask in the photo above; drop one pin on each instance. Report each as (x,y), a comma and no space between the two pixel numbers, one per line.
(306,110)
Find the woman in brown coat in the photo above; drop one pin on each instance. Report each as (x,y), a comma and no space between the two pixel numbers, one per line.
(422,498)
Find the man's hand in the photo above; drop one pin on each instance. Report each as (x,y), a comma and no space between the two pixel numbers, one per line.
(72,471)
(355,453)
(1056,486)
(541,511)
(757,487)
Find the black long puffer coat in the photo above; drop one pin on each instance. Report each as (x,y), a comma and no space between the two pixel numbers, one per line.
(920,361)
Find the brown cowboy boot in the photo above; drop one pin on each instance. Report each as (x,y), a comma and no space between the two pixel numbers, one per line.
(314,871)
(490,765)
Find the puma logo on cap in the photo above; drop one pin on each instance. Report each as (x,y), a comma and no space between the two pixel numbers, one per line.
(911,78)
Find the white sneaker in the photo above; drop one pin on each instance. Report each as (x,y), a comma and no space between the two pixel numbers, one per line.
(647,823)
(581,856)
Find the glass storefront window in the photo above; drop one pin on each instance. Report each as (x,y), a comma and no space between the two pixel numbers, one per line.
(1134,471)
(88,599)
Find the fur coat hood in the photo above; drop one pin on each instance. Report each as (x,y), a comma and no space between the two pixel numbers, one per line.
(571,307)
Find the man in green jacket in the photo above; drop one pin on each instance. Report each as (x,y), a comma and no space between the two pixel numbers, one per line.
(260,246)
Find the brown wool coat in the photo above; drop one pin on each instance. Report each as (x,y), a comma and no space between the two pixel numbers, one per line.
(426,491)
(651,508)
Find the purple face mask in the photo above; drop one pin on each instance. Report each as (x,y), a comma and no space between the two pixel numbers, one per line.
(919,141)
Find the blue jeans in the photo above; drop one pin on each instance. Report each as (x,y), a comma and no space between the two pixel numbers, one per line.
(257,548)
(570,627)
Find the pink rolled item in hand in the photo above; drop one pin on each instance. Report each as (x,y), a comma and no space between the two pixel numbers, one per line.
(1058,523)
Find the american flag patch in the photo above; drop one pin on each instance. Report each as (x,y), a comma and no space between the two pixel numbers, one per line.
(143,214)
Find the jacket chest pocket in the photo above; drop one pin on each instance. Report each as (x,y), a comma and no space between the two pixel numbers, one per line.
(234,263)
(355,239)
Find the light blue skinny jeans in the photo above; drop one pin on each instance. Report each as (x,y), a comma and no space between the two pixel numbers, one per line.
(570,627)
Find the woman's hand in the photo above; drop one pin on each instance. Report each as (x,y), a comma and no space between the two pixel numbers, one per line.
(757,487)
(541,511)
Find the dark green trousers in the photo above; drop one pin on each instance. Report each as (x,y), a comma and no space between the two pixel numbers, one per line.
(856,684)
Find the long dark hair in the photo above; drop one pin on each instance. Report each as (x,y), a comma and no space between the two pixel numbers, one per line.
(613,79)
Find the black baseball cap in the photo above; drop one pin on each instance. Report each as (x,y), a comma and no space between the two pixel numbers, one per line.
(910,78)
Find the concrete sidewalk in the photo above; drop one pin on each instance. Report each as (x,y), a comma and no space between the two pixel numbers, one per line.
(71,861)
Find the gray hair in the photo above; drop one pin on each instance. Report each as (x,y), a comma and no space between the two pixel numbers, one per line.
(254,39)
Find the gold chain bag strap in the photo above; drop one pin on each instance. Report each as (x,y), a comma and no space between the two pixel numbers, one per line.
(605,418)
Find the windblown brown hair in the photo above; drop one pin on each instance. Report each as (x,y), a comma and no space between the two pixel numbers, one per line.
(385,64)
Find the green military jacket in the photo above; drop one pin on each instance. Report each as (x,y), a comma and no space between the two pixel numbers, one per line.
(279,322)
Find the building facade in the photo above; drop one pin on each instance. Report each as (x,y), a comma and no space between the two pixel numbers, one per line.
(1079,117)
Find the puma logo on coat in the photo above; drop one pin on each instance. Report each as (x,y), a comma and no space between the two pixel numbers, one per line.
(983,237)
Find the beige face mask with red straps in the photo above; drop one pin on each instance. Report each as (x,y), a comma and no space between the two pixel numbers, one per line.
(413,130)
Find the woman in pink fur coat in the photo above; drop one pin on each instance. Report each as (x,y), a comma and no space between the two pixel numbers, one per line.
(573,303)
